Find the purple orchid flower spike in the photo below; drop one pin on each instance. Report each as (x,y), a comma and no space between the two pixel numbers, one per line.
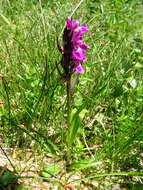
(74,48)
(73,56)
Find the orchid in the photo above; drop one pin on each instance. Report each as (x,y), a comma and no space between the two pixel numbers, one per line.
(74,48)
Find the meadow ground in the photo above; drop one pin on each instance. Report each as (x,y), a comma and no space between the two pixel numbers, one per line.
(101,147)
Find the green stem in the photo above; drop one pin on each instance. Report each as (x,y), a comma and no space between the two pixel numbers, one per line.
(68,153)
(68,100)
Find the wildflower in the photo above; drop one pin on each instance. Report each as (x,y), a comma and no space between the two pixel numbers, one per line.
(74,48)
(133,83)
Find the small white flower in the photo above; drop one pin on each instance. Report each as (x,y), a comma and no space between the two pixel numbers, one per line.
(133,83)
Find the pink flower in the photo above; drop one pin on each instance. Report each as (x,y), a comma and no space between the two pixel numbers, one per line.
(72,24)
(79,69)
(74,50)
(79,32)
(78,54)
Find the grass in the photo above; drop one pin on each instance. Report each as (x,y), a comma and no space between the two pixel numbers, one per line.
(105,134)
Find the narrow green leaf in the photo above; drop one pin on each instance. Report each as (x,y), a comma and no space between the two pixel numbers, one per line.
(74,126)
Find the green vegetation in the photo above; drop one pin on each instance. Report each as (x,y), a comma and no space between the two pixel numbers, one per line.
(104,141)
